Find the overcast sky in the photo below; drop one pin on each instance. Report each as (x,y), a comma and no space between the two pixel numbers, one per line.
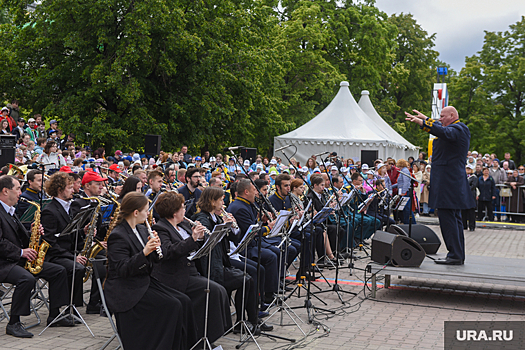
(459,24)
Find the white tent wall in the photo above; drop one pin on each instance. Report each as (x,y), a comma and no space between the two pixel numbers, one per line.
(343,127)
(305,149)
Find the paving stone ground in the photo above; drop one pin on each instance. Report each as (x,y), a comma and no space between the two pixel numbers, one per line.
(409,315)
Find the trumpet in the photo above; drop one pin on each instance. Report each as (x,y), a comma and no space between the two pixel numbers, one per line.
(159,249)
(234,223)
(194,224)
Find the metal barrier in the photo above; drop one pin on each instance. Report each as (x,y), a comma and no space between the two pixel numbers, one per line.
(505,202)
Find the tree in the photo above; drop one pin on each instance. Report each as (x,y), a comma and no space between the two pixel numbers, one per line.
(200,73)
(409,84)
(490,91)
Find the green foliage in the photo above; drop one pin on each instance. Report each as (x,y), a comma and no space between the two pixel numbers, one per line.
(209,73)
(489,93)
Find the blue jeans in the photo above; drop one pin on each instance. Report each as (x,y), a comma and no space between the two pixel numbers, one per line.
(426,208)
(408,214)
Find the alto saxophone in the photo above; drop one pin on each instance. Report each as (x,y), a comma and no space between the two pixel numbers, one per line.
(90,236)
(35,266)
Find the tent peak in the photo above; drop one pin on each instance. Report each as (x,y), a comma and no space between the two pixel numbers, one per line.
(344,83)
(365,92)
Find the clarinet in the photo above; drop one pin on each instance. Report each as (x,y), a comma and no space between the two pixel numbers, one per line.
(159,249)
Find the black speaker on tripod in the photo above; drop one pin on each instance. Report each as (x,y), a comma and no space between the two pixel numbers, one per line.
(152,145)
(421,234)
(398,250)
(249,153)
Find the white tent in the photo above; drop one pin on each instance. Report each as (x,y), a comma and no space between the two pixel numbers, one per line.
(343,127)
(368,108)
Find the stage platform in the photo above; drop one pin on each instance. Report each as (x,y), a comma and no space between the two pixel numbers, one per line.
(480,269)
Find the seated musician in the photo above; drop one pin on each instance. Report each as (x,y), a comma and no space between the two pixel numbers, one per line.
(132,184)
(176,271)
(376,211)
(318,202)
(245,213)
(149,314)
(222,271)
(154,188)
(190,191)
(363,224)
(93,186)
(55,217)
(32,193)
(280,200)
(321,242)
(14,252)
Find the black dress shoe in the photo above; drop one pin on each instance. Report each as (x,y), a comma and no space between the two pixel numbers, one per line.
(449,261)
(253,329)
(92,309)
(17,330)
(65,322)
(264,327)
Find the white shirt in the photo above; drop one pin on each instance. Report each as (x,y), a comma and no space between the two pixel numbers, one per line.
(9,210)
(138,236)
(65,204)
(182,232)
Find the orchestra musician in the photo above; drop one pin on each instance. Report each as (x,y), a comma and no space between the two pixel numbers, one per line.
(222,271)
(319,201)
(190,190)
(176,271)
(55,217)
(245,214)
(32,193)
(149,315)
(14,252)
(154,188)
(132,184)
(93,185)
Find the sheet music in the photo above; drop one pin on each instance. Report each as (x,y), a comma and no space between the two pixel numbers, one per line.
(218,233)
(248,236)
(283,217)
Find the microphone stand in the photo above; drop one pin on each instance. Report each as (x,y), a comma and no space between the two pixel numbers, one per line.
(336,288)
(411,189)
(259,247)
(311,265)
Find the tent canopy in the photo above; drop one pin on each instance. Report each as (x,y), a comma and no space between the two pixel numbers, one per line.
(344,127)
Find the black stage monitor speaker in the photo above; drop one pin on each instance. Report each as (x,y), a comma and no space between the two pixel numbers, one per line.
(7,155)
(249,153)
(400,251)
(369,157)
(421,234)
(152,145)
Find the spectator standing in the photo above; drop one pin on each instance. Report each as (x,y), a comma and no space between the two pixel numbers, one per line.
(487,193)
(469,215)
(425,191)
(512,165)
(515,201)
(499,176)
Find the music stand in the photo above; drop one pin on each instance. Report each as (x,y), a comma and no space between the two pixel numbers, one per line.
(72,229)
(218,233)
(250,234)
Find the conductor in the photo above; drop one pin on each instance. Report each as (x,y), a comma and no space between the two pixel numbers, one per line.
(448,177)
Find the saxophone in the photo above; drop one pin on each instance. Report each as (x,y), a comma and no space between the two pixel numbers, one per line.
(90,236)
(98,247)
(35,266)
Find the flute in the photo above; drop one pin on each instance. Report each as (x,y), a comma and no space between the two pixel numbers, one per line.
(194,224)
(152,236)
(224,213)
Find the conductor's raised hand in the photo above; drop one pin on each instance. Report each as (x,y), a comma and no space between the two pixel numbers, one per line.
(418,118)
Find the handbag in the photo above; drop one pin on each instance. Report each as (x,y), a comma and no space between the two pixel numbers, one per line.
(505,192)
